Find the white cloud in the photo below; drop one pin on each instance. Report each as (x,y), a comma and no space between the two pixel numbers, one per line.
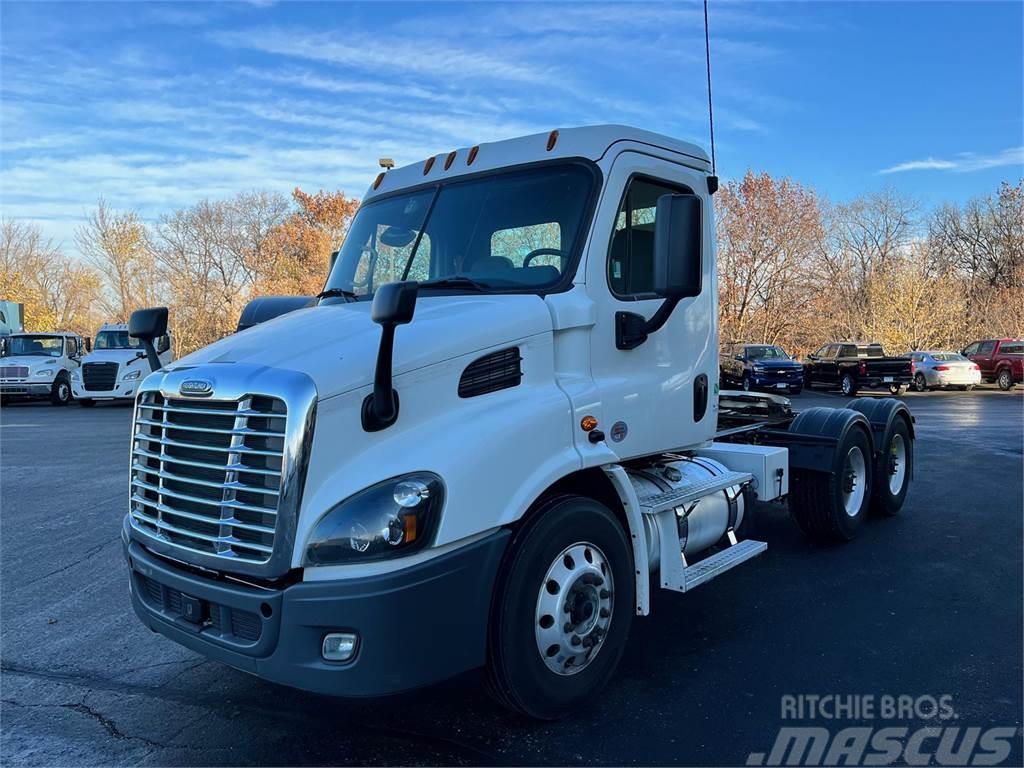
(965,162)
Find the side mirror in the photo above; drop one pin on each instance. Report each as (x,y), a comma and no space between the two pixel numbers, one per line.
(146,325)
(87,340)
(740,358)
(394,304)
(678,240)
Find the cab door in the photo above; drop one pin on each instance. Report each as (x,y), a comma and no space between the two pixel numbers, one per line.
(661,394)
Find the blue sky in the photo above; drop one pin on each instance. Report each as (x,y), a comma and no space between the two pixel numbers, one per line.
(158,105)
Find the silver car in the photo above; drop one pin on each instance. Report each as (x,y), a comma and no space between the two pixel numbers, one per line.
(943,369)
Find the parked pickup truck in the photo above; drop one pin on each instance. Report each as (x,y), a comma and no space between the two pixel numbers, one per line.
(1001,360)
(851,366)
(760,366)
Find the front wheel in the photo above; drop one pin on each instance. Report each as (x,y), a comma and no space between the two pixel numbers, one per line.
(1005,379)
(60,392)
(562,609)
(746,383)
(848,385)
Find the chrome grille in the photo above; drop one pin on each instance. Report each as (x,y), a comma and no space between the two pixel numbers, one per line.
(206,475)
(13,371)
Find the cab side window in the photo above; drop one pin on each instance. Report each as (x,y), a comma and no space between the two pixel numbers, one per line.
(72,347)
(972,349)
(631,256)
(986,347)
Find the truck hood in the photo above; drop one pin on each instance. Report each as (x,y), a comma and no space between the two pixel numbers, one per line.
(121,356)
(336,345)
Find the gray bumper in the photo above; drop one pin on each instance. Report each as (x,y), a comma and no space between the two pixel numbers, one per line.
(29,390)
(417,626)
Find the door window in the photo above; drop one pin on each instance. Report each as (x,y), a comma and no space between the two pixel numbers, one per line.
(972,349)
(631,256)
(986,347)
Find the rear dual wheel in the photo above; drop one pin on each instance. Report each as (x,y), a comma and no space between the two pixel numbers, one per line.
(833,506)
(562,609)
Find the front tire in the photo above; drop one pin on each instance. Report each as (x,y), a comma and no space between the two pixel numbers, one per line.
(1005,379)
(60,392)
(833,506)
(562,609)
(746,383)
(848,385)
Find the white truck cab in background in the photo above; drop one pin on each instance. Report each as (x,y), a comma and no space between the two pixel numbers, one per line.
(38,365)
(116,365)
(494,434)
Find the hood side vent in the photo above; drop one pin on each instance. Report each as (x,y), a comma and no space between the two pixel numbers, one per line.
(490,373)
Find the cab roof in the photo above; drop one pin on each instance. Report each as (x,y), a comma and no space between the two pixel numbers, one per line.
(590,142)
(113,327)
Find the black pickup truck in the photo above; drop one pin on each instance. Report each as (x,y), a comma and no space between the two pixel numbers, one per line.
(851,366)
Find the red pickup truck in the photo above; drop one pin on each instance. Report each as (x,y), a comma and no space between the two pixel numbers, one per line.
(1000,360)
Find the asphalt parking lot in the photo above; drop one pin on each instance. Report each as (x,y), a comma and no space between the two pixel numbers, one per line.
(927,603)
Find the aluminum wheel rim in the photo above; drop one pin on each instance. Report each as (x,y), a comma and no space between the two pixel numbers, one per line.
(920,382)
(853,476)
(897,464)
(63,391)
(847,385)
(574,609)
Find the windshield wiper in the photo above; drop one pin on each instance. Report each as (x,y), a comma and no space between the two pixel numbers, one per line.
(332,293)
(457,281)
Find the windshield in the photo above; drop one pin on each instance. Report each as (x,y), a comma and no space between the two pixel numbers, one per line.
(766,353)
(507,232)
(43,346)
(116,340)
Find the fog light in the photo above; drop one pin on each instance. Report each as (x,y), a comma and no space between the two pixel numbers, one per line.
(340,646)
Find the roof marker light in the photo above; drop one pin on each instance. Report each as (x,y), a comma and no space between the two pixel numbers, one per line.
(552,139)
(449,160)
(428,165)
(472,155)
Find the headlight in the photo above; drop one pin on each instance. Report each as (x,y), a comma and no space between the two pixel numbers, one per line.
(47,372)
(389,519)
(131,376)
(76,375)
(758,369)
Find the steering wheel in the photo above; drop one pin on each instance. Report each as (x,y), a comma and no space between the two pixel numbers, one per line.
(543,252)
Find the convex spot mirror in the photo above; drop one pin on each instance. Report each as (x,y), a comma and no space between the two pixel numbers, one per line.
(678,240)
(397,237)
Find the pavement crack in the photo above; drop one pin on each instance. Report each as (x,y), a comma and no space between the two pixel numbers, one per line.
(91,552)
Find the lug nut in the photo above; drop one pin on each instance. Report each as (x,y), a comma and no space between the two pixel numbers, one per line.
(605,613)
(568,627)
(576,640)
(605,594)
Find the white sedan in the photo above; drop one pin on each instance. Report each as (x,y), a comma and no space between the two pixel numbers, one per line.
(933,370)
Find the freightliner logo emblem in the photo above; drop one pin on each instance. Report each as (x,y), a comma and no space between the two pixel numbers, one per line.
(196,388)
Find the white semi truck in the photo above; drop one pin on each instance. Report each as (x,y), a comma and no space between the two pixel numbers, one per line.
(116,366)
(337,503)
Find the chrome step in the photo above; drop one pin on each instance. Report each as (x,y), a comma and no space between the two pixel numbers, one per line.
(720,562)
(659,502)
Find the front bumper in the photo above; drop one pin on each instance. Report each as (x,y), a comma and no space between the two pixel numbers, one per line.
(777,381)
(416,626)
(121,391)
(28,389)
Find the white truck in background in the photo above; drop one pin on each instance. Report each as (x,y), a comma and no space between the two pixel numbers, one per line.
(40,365)
(334,503)
(115,366)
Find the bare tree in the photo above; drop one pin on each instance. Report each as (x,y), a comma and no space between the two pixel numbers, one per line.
(117,245)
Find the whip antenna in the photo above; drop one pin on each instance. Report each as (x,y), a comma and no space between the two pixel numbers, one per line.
(711,113)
